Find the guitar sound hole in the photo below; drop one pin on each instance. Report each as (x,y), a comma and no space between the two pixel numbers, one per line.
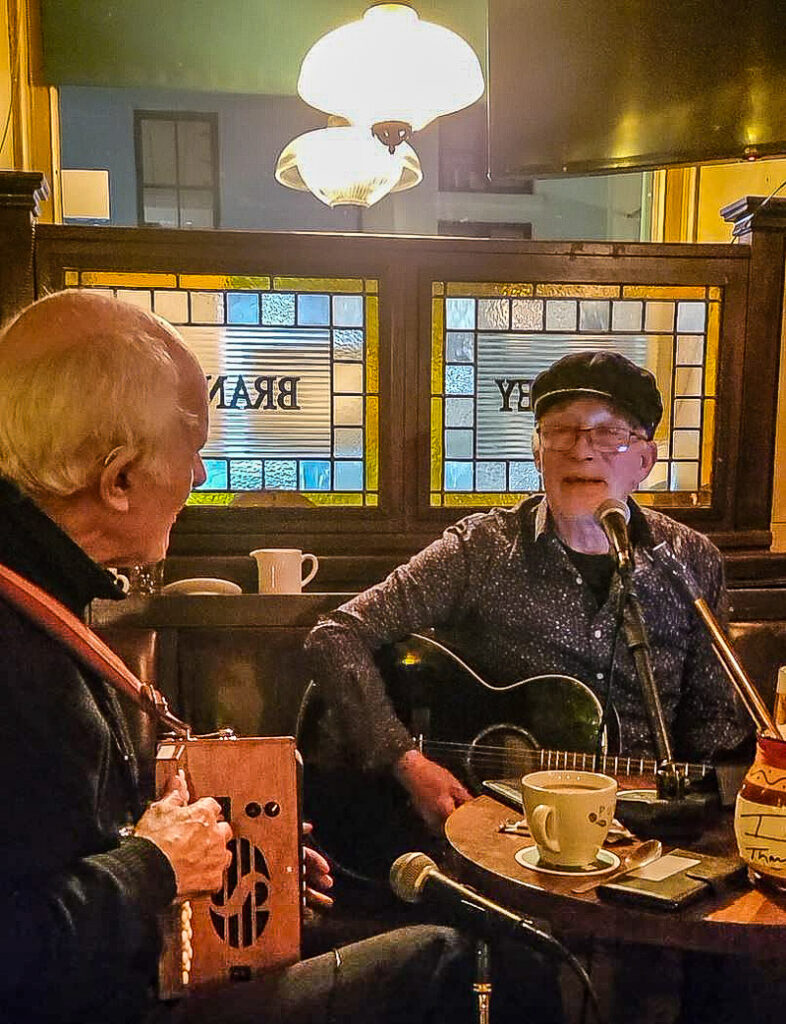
(498,752)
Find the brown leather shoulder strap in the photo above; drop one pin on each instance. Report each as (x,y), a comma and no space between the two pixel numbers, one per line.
(86,646)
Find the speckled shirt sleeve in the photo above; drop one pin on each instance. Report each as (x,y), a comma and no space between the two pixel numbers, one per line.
(503,583)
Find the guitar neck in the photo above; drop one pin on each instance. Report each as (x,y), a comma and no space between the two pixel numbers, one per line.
(617,765)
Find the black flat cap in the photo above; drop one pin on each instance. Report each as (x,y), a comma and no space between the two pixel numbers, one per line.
(606,375)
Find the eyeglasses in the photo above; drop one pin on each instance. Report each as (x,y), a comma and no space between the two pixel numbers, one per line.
(602,438)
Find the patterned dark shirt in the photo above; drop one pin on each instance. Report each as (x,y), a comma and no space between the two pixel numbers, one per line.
(504,584)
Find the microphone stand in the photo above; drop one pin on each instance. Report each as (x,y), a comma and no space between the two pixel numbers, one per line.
(482,983)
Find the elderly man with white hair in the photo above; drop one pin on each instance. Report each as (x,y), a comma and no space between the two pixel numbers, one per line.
(103,412)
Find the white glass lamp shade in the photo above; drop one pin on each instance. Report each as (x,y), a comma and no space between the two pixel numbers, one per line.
(390,66)
(347,165)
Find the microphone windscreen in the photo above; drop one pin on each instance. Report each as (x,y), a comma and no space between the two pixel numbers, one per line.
(408,874)
(612,505)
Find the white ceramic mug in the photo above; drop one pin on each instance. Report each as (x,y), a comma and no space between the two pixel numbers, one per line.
(280,570)
(569,814)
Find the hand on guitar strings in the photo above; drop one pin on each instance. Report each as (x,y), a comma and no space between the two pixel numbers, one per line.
(318,877)
(434,791)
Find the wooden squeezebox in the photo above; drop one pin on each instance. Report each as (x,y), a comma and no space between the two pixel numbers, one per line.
(253,922)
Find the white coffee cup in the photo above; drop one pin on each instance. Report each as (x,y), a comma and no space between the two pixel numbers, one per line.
(280,570)
(569,814)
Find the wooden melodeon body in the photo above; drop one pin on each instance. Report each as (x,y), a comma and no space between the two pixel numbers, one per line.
(253,922)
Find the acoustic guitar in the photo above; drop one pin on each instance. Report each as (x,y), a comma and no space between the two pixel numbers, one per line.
(479,731)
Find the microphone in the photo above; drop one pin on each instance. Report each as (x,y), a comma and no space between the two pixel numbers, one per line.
(613,516)
(415,876)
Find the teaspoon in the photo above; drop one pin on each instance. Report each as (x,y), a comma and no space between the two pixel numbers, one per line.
(645,854)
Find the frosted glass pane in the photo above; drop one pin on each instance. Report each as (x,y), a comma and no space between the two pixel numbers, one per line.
(490,476)
(690,349)
(687,380)
(197,209)
(313,310)
(527,314)
(242,308)
(594,315)
(684,476)
(493,314)
(347,411)
(657,479)
(460,314)
(348,476)
(626,316)
(315,475)
(460,347)
(245,475)
(561,315)
(172,306)
(459,412)
(217,475)
(347,377)
(347,442)
(524,477)
(347,310)
(458,476)
(458,444)
(207,308)
(348,344)
(195,152)
(159,207)
(159,165)
(686,444)
(659,316)
(687,413)
(459,380)
(281,474)
(278,308)
(136,297)
(691,316)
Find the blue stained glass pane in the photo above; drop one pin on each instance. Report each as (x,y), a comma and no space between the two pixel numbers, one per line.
(490,476)
(458,444)
(281,474)
(459,380)
(242,308)
(217,475)
(347,310)
(347,441)
(524,477)
(313,310)
(460,314)
(315,476)
(460,346)
(458,476)
(278,308)
(691,316)
(348,476)
(245,474)
(348,344)
(459,412)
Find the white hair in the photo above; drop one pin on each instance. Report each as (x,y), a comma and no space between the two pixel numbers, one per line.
(66,409)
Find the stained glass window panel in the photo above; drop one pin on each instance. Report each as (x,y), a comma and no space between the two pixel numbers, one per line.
(292,369)
(488,348)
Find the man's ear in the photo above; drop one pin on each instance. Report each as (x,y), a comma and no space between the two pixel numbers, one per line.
(115,481)
(649,456)
(536,450)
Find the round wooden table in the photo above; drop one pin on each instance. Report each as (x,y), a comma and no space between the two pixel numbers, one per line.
(744,921)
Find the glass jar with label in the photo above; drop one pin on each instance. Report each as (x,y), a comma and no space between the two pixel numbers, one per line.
(760,814)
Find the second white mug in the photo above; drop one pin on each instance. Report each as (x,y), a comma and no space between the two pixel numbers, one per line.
(280,570)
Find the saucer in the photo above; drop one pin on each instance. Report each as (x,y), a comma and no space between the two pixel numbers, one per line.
(206,585)
(529,857)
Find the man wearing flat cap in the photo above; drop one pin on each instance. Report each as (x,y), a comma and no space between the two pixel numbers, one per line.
(532,590)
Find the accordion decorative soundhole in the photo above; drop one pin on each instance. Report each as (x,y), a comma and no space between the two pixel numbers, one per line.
(252,923)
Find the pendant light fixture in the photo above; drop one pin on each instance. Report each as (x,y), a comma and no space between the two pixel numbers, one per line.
(390,71)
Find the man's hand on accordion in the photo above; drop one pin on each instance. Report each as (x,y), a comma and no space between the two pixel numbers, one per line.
(318,877)
(191,836)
